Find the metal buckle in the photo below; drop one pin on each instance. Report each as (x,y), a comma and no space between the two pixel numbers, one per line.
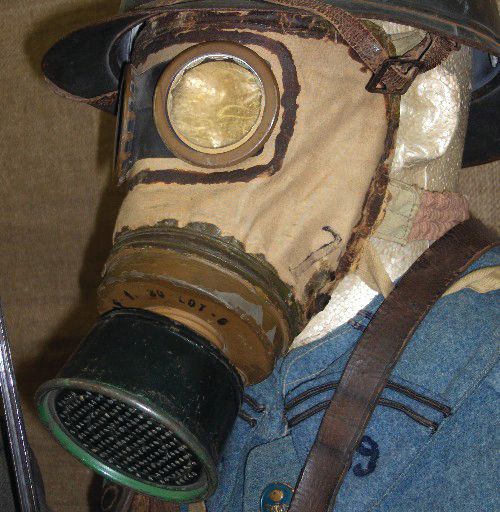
(376,83)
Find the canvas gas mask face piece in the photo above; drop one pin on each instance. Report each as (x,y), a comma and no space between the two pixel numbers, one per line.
(215,147)
(256,163)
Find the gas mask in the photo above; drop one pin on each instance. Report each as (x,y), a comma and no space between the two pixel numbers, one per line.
(257,167)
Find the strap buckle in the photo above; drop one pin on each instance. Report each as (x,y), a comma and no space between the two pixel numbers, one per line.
(405,70)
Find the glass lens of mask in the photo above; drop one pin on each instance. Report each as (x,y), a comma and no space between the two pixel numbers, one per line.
(215,105)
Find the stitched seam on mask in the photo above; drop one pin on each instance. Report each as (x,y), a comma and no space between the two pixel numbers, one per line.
(288,101)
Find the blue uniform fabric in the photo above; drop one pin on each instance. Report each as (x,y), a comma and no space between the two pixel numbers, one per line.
(431,444)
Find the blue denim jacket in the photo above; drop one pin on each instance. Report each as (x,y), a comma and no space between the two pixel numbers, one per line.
(431,443)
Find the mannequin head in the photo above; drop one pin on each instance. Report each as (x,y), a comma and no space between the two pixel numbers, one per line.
(428,155)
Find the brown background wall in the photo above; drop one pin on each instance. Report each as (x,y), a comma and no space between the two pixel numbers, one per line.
(57,208)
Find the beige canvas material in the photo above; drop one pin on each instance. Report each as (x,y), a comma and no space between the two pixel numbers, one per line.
(301,217)
(373,274)
(372,271)
(481,187)
(483,280)
(440,96)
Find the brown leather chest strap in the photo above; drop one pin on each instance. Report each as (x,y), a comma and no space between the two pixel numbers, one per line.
(374,357)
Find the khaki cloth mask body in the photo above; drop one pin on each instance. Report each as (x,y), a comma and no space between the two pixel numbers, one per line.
(304,204)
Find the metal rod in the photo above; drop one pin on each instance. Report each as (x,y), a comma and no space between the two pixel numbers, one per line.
(28,496)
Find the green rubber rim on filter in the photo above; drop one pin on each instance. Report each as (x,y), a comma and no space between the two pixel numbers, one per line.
(192,493)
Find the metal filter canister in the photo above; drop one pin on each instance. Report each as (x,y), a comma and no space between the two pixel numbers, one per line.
(145,402)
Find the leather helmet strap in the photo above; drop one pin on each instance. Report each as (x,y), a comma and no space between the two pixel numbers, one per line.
(374,357)
(391,75)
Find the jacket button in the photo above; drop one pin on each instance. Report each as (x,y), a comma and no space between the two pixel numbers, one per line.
(276,497)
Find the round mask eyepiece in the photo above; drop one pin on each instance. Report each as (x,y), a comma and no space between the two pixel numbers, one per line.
(216,104)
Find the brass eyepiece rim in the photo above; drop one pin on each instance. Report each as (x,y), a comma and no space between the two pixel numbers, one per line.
(257,137)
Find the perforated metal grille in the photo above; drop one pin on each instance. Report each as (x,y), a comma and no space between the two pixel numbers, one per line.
(126,439)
